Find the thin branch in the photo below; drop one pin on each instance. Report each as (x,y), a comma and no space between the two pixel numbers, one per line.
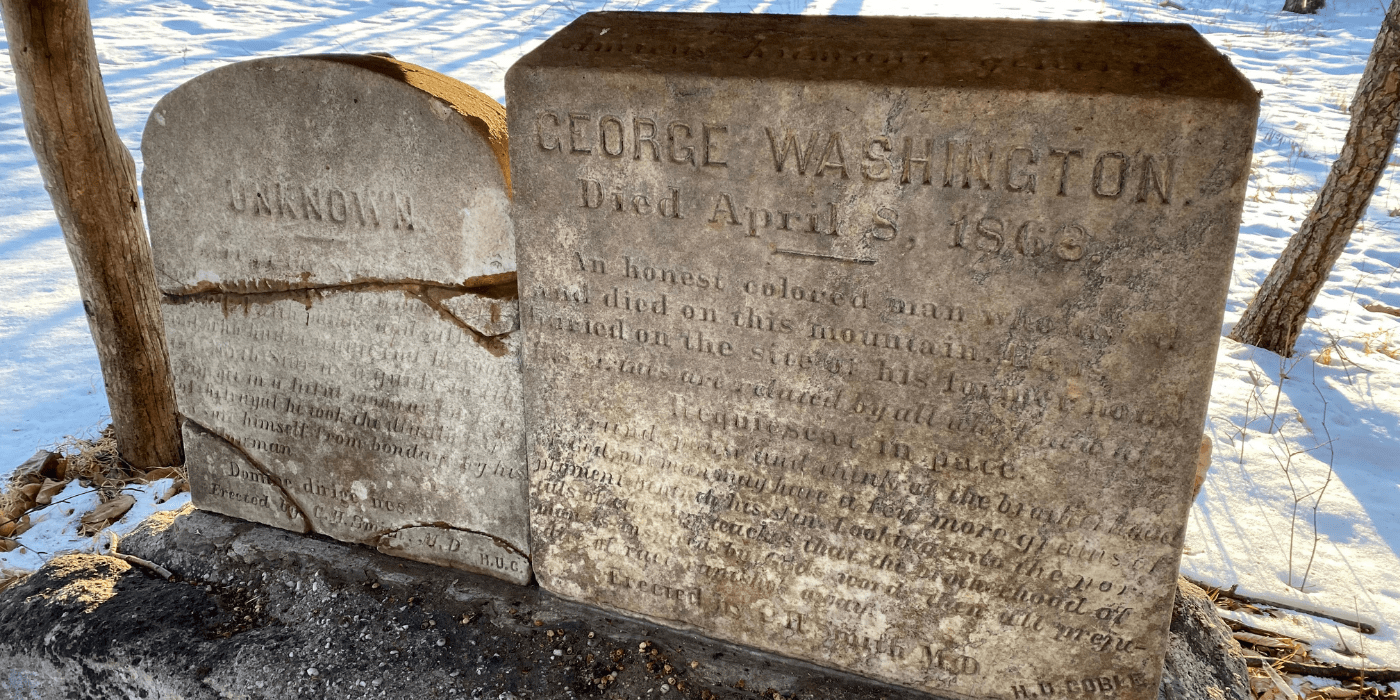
(1363,627)
(138,561)
(1331,458)
(1345,673)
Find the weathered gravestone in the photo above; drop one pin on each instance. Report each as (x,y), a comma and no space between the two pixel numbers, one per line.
(883,343)
(333,240)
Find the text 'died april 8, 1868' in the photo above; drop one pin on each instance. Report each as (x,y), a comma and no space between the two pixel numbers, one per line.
(875,378)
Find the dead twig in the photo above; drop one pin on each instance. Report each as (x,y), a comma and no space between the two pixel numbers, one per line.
(1331,458)
(1362,627)
(138,561)
(1237,626)
(1345,673)
(1283,686)
(157,568)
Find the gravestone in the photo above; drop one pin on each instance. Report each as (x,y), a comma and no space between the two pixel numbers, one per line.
(333,242)
(889,355)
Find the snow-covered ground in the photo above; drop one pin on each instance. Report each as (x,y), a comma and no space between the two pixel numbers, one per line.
(1302,504)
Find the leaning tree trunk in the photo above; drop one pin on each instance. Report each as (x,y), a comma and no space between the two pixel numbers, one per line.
(92,180)
(1280,307)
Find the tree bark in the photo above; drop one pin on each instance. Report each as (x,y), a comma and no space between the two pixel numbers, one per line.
(1304,7)
(1280,307)
(91,179)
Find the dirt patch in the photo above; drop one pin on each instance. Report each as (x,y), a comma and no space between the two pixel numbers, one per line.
(256,612)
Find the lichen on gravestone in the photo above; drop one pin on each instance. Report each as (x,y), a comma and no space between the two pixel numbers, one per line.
(333,244)
(882,343)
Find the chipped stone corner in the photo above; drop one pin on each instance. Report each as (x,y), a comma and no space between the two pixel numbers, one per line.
(486,315)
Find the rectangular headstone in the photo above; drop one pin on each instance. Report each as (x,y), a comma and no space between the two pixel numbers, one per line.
(332,237)
(883,343)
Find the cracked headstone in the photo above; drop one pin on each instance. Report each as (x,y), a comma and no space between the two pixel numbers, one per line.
(333,242)
(891,355)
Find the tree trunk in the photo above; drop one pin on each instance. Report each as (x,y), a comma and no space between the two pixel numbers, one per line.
(1276,314)
(92,180)
(1304,7)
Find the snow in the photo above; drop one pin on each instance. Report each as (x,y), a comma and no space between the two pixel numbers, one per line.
(55,529)
(1302,503)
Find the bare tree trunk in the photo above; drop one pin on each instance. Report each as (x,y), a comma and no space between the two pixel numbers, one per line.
(1280,307)
(92,180)
(1304,7)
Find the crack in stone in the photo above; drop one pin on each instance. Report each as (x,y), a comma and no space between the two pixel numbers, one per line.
(272,478)
(493,344)
(501,286)
(383,536)
(498,287)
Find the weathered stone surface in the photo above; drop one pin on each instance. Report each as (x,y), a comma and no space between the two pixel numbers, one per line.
(253,609)
(309,171)
(333,239)
(892,354)
(1203,658)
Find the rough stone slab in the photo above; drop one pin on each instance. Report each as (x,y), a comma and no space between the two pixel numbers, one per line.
(891,355)
(1203,658)
(253,608)
(308,171)
(341,369)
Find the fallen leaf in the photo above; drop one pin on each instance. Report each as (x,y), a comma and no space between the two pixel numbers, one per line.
(43,462)
(7,544)
(106,514)
(48,490)
(174,490)
(1260,640)
(23,525)
(1338,692)
(1382,309)
(7,528)
(15,509)
(161,473)
(1261,683)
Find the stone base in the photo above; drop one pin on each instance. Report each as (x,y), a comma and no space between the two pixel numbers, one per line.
(257,612)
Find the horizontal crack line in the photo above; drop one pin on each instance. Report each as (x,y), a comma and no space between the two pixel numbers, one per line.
(492,286)
(430,294)
(444,526)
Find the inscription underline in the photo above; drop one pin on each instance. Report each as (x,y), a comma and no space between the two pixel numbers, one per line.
(823,256)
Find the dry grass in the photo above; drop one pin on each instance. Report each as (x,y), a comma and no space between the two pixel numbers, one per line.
(1277,648)
(1382,342)
(94,464)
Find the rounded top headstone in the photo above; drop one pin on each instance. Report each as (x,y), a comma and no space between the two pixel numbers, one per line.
(314,171)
